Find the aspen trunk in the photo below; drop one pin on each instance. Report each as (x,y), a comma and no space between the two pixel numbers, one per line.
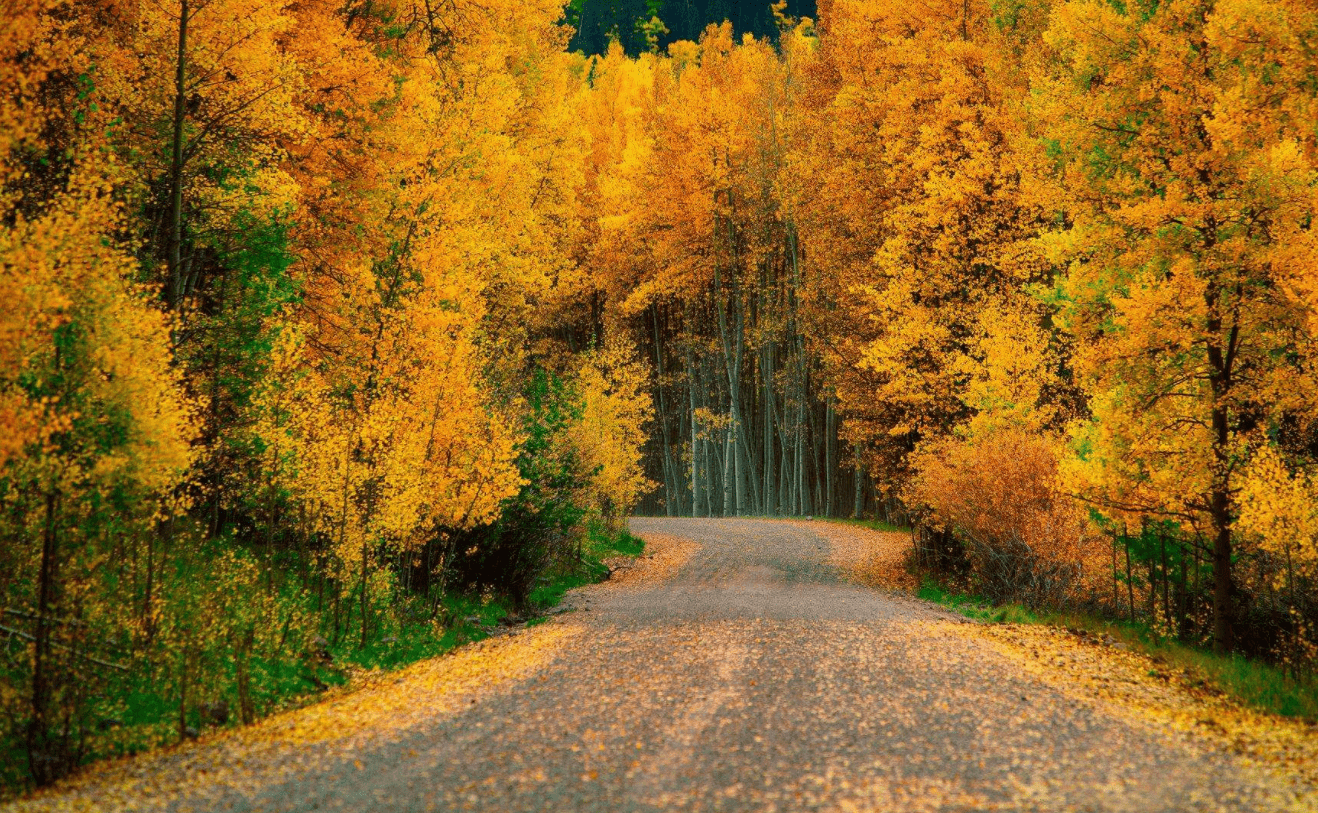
(176,162)
(859,507)
(365,595)
(672,491)
(712,467)
(1220,512)
(41,760)
(770,506)
(733,496)
(784,486)
(728,507)
(696,486)
(802,495)
(829,432)
(1221,362)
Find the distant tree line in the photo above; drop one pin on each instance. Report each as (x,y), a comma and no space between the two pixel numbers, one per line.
(596,23)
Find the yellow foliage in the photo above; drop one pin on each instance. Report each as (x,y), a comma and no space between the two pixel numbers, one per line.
(1187,317)
(1279,508)
(84,354)
(609,436)
(917,216)
(394,467)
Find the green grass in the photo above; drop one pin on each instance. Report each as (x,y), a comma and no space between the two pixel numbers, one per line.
(1254,683)
(146,715)
(627,545)
(600,544)
(408,643)
(872,524)
(472,618)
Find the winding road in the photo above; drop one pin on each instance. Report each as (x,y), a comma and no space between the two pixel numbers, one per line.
(737,669)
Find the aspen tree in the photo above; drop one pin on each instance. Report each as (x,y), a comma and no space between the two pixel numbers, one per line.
(1191,188)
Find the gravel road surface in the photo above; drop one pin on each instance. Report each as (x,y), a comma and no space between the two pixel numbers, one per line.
(737,669)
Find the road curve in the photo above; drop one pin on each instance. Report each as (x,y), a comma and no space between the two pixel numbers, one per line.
(750,676)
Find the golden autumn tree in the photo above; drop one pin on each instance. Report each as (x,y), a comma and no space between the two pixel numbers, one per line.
(1182,133)
(111,436)
(197,99)
(917,219)
(615,412)
(692,251)
(421,271)
(277,274)
(97,426)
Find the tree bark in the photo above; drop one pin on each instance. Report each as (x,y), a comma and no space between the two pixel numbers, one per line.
(766,371)
(859,505)
(828,457)
(672,493)
(1220,361)
(696,484)
(40,759)
(176,162)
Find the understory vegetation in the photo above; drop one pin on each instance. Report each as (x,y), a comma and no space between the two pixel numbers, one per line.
(138,710)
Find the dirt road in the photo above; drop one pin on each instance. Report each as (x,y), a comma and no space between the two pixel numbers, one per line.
(737,669)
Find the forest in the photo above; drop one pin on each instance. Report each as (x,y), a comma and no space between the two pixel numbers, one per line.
(328,325)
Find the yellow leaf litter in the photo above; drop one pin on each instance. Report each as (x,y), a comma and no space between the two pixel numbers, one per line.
(1144,689)
(664,555)
(868,557)
(1129,684)
(383,707)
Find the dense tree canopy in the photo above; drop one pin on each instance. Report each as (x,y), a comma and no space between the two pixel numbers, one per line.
(321,316)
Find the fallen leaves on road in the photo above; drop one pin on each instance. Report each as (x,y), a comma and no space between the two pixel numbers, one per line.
(868,557)
(1125,683)
(382,707)
(1142,688)
(664,556)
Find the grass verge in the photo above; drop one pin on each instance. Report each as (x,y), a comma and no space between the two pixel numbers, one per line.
(600,544)
(1257,685)
(871,524)
(144,716)
(474,618)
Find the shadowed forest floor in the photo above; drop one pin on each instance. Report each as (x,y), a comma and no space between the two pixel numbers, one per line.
(746,665)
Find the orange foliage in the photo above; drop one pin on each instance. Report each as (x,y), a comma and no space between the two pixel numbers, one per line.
(999,492)
(915,214)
